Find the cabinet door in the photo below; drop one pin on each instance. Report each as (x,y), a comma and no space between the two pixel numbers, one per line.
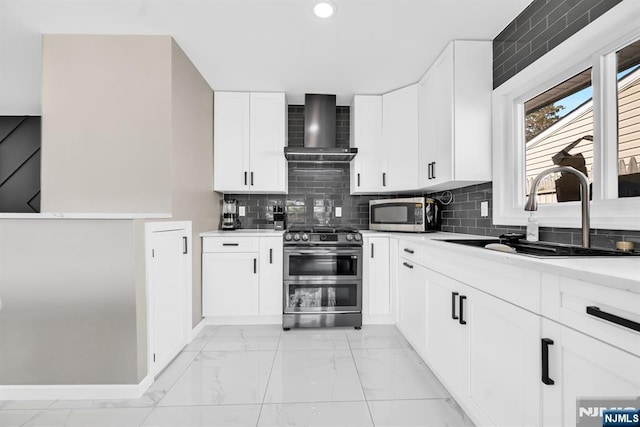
(271,275)
(375,275)
(441,170)
(168,297)
(400,139)
(412,305)
(445,348)
(583,367)
(366,136)
(229,284)
(504,360)
(428,125)
(231,142)
(268,171)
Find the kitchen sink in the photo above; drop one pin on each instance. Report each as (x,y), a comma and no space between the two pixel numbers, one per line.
(541,249)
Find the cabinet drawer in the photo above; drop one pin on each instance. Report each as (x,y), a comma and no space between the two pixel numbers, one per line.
(413,252)
(608,314)
(230,244)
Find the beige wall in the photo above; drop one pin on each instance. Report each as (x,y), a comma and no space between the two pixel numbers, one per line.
(74,291)
(192,159)
(68,296)
(106,128)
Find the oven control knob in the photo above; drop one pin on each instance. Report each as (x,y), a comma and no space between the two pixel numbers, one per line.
(349,237)
(358,237)
(287,237)
(305,237)
(296,237)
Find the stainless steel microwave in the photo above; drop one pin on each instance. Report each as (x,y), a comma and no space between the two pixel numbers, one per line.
(415,214)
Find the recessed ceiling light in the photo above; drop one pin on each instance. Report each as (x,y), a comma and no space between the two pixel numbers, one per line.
(323,9)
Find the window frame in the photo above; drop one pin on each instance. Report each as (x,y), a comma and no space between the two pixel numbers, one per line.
(594,46)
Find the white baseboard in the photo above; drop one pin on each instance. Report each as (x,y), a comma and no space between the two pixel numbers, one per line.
(195,331)
(271,319)
(75,392)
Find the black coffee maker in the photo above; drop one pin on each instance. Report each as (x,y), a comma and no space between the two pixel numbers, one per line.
(279,218)
(230,216)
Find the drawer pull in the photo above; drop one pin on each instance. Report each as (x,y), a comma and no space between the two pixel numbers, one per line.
(595,311)
(462,298)
(406,264)
(409,251)
(546,342)
(453,305)
(230,244)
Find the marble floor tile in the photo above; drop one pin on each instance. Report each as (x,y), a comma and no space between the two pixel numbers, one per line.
(201,416)
(201,340)
(396,373)
(249,331)
(375,330)
(218,378)
(377,336)
(120,417)
(150,398)
(310,339)
(242,343)
(313,376)
(334,414)
(16,418)
(427,413)
(25,404)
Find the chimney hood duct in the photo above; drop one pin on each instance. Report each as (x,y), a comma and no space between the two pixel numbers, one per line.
(319,134)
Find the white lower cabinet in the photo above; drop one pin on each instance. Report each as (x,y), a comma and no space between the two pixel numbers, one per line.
(242,277)
(582,367)
(230,284)
(376,280)
(485,351)
(412,304)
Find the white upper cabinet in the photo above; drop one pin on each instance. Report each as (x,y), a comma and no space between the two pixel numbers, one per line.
(385,131)
(455,117)
(366,135)
(400,139)
(249,141)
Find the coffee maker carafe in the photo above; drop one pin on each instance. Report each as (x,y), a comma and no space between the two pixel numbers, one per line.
(230,217)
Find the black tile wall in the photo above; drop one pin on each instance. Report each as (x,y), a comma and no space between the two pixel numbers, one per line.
(543,25)
(462,215)
(315,190)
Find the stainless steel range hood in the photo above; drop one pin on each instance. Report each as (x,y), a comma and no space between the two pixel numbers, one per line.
(319,134)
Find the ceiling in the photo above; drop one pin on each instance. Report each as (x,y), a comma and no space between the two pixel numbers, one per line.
(367,47)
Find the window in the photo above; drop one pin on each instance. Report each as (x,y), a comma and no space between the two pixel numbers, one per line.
(558,130)
(579,104)
(628,102)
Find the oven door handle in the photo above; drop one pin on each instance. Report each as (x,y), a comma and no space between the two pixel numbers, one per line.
(323,252)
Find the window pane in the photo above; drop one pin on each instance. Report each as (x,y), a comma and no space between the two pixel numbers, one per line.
(629,121)
(559,131)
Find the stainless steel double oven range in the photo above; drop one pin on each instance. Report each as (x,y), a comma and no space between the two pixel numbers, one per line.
(322,277)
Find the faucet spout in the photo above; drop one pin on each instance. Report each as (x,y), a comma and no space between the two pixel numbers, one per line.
(532,204)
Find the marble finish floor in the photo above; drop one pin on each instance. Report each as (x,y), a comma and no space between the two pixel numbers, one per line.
(262,376)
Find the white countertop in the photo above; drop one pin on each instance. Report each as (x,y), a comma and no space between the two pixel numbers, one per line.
(619,272)
(245,232)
